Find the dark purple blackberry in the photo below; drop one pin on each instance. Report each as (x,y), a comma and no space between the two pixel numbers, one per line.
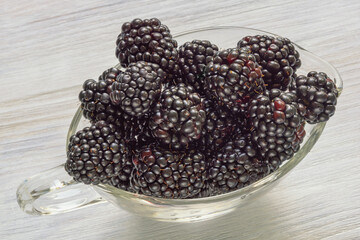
(218,128)
(95,98)
(97,105)
(274,120)
(232,78)
(147,40)
(318,93)
(96,153)
(122,180)
(193,57)
(162,173)
(178,117)
(136,89)
(277,56)
(235,166)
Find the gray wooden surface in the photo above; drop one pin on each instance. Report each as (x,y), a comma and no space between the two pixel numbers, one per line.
(48,48)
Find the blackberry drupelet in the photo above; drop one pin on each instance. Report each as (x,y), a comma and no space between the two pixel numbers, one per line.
(96,153)
(147,40)
(232,78)
(218,128)
(162,173)
(236,165)
(95,98)
(277,56)
(274,121)
(178,117)
(136,89)
(193,57)
(318,93)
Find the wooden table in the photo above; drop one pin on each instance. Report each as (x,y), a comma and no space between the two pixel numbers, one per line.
(48,48)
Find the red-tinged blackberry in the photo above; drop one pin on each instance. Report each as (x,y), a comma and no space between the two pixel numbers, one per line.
(95,98)
(147,40)
(193,57)
(232,78)
(178,117)
(274,120)
(299,136)
(318,93)
(96,153)
(163,173)
(136,89)
(236,165)
(277,56)
(219,126)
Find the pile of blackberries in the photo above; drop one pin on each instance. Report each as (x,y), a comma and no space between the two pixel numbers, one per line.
(194,120)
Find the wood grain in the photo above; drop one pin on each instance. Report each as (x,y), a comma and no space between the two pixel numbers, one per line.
(48,48)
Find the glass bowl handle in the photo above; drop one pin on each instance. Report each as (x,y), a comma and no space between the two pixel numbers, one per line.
(54,191)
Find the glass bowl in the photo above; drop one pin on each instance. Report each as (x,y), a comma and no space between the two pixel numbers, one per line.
(54,191)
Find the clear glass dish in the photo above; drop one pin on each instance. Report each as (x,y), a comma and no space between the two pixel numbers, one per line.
(54,191)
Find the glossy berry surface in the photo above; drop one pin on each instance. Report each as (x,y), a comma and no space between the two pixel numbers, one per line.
(147,40)
(236,165)
(274,120)
(163,173)
(232,78)
(137,89)
(193,57)
(96,153)
(218,128)
(95,98)
(178,117)
(276,55)
(318,93)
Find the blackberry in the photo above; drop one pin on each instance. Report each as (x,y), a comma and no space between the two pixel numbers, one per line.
(277,56)
(95,98)
(299,136)
(318,93)
(193,57)
(147,40)
(219,126)
(122,180)
(96,153)
(274,121)
(97,106)
(178,117)
(137,88)
(233,77)
(162,173)
(236,165)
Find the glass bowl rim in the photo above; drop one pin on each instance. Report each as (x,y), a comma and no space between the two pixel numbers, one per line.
(282,170)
